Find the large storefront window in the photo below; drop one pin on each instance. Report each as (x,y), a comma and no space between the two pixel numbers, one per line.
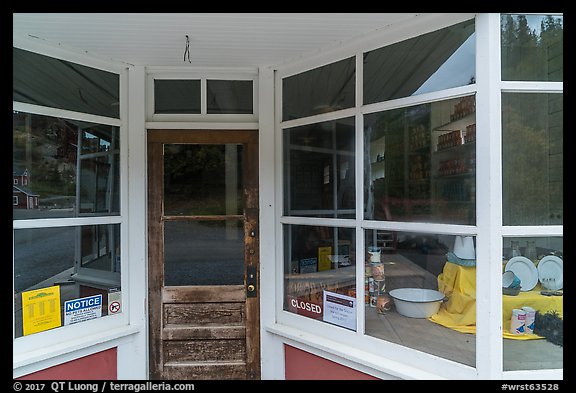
(66,194)
(422,222)
(421,164)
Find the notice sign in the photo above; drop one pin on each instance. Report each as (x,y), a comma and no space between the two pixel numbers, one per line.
(84,309)
(340,310)
(41,310)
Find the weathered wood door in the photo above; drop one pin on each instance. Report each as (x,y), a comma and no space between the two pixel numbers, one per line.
(203,254)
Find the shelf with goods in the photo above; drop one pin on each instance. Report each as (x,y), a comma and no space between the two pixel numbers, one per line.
(419,166)
(454,163)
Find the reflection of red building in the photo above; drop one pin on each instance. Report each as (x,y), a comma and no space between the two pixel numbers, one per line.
(22,197)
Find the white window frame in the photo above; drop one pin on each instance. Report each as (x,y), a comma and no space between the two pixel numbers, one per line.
(380,355)
(15,200)
(43,349)
(201,74)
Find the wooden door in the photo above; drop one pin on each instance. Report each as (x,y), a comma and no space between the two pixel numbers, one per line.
(203,254)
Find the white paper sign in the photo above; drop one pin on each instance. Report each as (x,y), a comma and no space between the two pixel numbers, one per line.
(339,310)
(83,309)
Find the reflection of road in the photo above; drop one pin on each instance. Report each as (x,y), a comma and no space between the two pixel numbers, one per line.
(198,253)
(41,253)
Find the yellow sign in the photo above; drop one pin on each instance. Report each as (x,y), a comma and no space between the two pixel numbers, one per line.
(324,262)
(41,310)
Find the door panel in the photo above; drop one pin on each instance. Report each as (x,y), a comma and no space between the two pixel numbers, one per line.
(203,239)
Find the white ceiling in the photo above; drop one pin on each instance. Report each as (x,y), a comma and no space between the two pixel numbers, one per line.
(216,40)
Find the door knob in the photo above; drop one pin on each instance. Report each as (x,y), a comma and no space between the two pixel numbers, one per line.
(251,288)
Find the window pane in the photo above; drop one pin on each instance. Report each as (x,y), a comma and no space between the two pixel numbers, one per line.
(532,159)
(320,273)
(435,61)
(215,257)
(203,179)
(230,96)
(532,305)
(176,96)
(323,89)
(64,168)
(420,163)
(421,292)
(46,81)
(319,178)
(73,259)
(532,47)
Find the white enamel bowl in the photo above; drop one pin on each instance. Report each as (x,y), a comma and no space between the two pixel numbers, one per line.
(417,302)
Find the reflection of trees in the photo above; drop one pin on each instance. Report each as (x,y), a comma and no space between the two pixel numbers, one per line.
(531,54)
(531,123)
(46,146)
(195,178)
(525,159)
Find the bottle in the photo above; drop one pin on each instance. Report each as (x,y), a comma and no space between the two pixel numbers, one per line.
(515,248)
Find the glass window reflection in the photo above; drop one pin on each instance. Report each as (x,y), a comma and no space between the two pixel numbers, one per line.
(532,159)
(203,179)
(215,257)
(319,175)
(79,260)
(420,163)
(172,96)
(323,89)
(319,267)
(533,303)
(64,168)
(420,292)
(225,96)
(532,47)
(435,61)
(56,83)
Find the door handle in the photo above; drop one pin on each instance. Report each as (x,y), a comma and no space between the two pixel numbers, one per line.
(251,281)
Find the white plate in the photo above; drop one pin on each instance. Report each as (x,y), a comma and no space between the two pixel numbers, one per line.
(526,271)
(551,272)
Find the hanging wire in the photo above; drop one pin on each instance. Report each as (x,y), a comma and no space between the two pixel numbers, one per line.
(187,50)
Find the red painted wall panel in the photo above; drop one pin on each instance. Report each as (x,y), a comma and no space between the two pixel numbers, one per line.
(98,366)
(303,365)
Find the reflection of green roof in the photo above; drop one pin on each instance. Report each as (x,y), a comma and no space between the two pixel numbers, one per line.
(26,191)
(39,295)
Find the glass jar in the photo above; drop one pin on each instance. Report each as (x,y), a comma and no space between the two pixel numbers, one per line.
(530,251)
